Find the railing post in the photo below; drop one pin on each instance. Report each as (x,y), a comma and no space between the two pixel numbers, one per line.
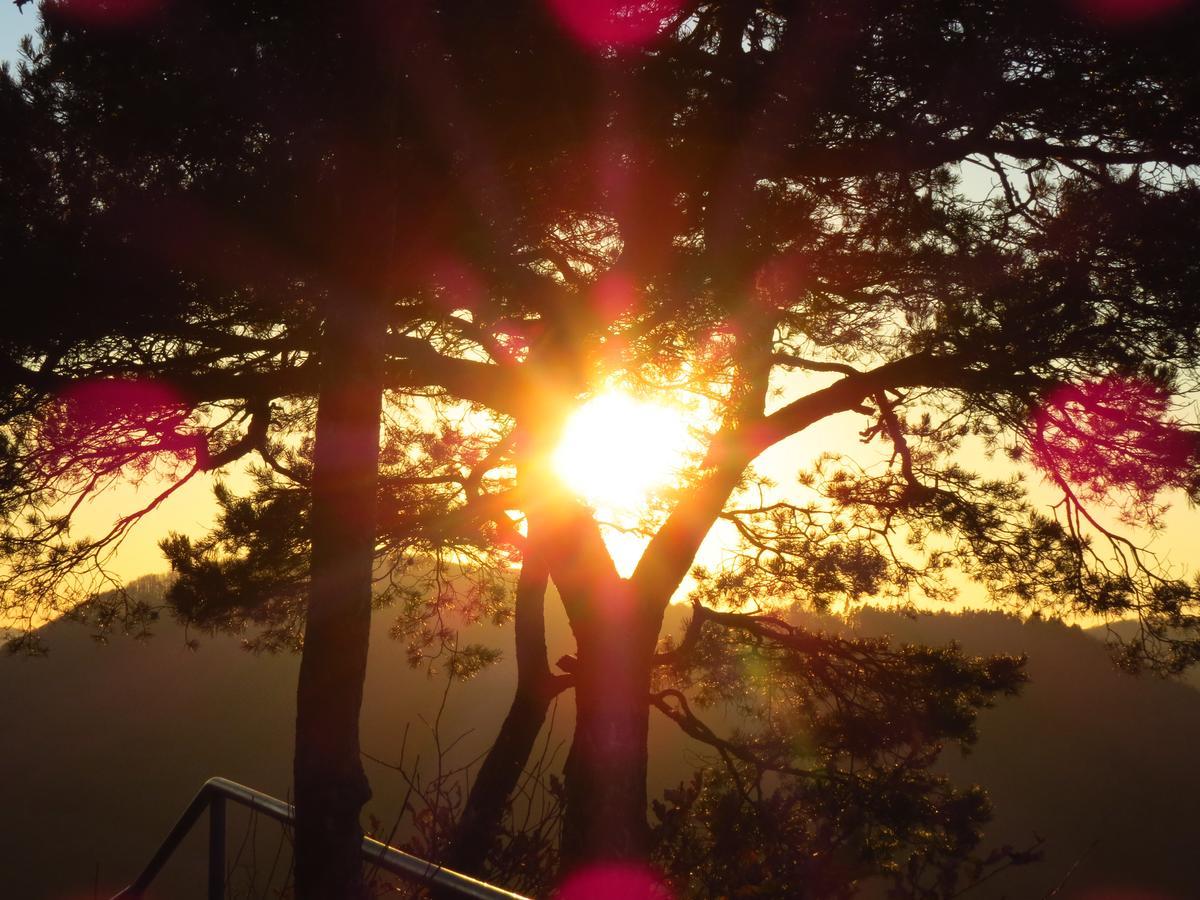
(216,847)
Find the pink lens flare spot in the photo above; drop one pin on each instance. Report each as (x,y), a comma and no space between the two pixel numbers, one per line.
(104,401)
(613,296)
(1127,12)
(1113,435)
(782,279)
(122,417)
(614,23)
(455,284)
(110,13)
(609,881)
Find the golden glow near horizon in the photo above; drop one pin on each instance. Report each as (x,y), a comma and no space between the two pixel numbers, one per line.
(618,451)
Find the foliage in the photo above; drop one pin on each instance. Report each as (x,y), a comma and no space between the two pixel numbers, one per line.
(828,780)
(968,223)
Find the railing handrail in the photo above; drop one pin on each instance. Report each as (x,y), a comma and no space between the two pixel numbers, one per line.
(216,791)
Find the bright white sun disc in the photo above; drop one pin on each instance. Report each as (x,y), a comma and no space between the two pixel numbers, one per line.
(616,450)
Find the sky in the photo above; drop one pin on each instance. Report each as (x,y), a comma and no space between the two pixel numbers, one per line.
(14,24)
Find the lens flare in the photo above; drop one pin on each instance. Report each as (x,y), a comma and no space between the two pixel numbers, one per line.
(1113,438)
(118,424)
(614,23)
(104,401)
(608,881)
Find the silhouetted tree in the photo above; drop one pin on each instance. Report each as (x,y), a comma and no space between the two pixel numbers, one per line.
(969,223)
(218,215)
(1043,313)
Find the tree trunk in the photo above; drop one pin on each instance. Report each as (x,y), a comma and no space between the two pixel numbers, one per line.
(605,774)
(500,773)
(330,785)
(615,631)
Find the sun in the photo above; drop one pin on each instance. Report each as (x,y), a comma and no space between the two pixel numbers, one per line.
(616,450)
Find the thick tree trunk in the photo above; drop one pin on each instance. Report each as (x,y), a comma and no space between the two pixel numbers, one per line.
(605,776)
(330,785)
(615,631)
(536,687)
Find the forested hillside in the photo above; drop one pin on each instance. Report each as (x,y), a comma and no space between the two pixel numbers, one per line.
(1099,764)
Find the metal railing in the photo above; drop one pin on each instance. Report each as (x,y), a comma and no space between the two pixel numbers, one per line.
(217,791)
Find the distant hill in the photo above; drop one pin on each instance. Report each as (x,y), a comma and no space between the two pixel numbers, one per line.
(1126,629)
(104,745)
(1101,764)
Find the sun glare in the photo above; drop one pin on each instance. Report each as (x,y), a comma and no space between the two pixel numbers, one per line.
(616,450)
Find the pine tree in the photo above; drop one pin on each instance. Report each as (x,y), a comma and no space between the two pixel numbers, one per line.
(968,223)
